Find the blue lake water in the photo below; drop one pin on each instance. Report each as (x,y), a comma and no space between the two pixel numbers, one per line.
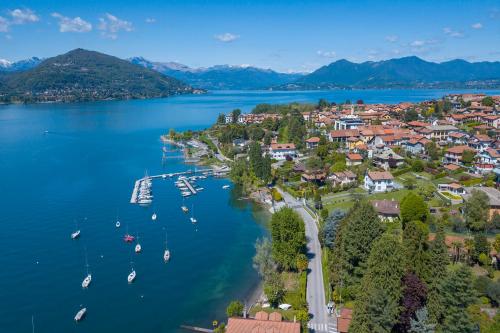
(81,175)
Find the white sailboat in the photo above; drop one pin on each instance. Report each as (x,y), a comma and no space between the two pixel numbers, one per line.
(153,217)
(138,247)
(166,253)
(86,281)
(75,234)
(183,207)
(131,276)
(80,314)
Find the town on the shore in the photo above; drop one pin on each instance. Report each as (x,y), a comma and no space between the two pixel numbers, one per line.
(402,200)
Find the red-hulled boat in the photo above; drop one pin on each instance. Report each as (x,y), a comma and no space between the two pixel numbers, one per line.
(128,238)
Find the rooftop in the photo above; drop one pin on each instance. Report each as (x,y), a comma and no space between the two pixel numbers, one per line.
(263,323)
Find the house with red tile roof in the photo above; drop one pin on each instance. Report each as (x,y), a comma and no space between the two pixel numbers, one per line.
(280,151)
(344,320)
(379,181)
(353,159)
(262,323)
(386,209)
(312,142)
(454,154)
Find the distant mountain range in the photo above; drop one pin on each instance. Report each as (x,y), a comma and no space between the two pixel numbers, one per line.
(82,75)
(408,72)
(23,65)
(220,77)
(86,75)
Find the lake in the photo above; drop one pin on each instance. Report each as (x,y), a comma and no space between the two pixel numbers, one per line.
(81,174)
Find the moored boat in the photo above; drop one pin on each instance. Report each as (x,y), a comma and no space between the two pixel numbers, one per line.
(86,281)
(80,314)
(131,276)
(75,235)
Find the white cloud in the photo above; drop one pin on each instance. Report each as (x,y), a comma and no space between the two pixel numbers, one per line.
(67,24)
(4,24)
(21,16)
(326,54)
(453,33)
(227,37)
(392,38)
(418,43)
(110,25)
(477,25)
(150,20)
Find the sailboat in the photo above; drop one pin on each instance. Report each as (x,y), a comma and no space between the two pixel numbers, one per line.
(138,247)
(86,281)
(153,217)
(166,254)
(131,276)
(128,238)
(75,234)
(80,314)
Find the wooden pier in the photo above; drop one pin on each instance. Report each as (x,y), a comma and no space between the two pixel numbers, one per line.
(189,186)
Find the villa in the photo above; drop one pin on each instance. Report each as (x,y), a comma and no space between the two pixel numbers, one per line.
(280,151)
(379,181)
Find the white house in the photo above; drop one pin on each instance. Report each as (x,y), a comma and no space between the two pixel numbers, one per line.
(379,181)
(279,151)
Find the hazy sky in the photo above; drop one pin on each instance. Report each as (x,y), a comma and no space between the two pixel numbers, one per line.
(283,35)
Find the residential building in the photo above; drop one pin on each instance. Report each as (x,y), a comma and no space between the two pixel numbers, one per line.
(348,122)
(386,158)
(386,209)
(454,154)
(344,320)
(342,178)
(263,322)
(493,196)
(353,159)
(440,132)
(280,151)
(312,142)
(454,188)
(379,181)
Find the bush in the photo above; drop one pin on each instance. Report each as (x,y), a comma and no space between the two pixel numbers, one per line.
(234,309)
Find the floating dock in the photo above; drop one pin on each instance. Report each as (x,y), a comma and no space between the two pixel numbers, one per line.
(188,185)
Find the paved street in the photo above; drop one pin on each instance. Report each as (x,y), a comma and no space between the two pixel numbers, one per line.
(321,321)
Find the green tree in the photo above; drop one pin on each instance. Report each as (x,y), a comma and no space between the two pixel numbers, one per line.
(377,309)
(422,324)
(221,119)
(457,296)
(468,156)
(274,289)
(354,240)
(476,210)
(413,207)
(415,236)
(411,115)
(481,246)
(302,262)
(439,260)
(323,104)
(288,237)
(263,261)
(488,101)
(432,151)
(235,114)
(235,309)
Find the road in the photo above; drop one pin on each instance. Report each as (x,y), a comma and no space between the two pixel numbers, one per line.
(321,321)
(219,154)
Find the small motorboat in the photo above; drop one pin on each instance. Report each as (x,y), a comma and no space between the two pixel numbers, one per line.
(193,220)
(153,217)
(86,281)
(199,189)
(80,314)
(75,235)
(138,248)
(117,224)
(163,176)
(131,276)
(128,238)
(225,187)
(185,209)
(166,255)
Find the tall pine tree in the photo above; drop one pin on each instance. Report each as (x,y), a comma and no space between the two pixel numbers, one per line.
(377,308)
(439,259)
(458,294)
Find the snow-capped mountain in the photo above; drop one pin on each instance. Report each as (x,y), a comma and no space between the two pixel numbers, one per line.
(19,66)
